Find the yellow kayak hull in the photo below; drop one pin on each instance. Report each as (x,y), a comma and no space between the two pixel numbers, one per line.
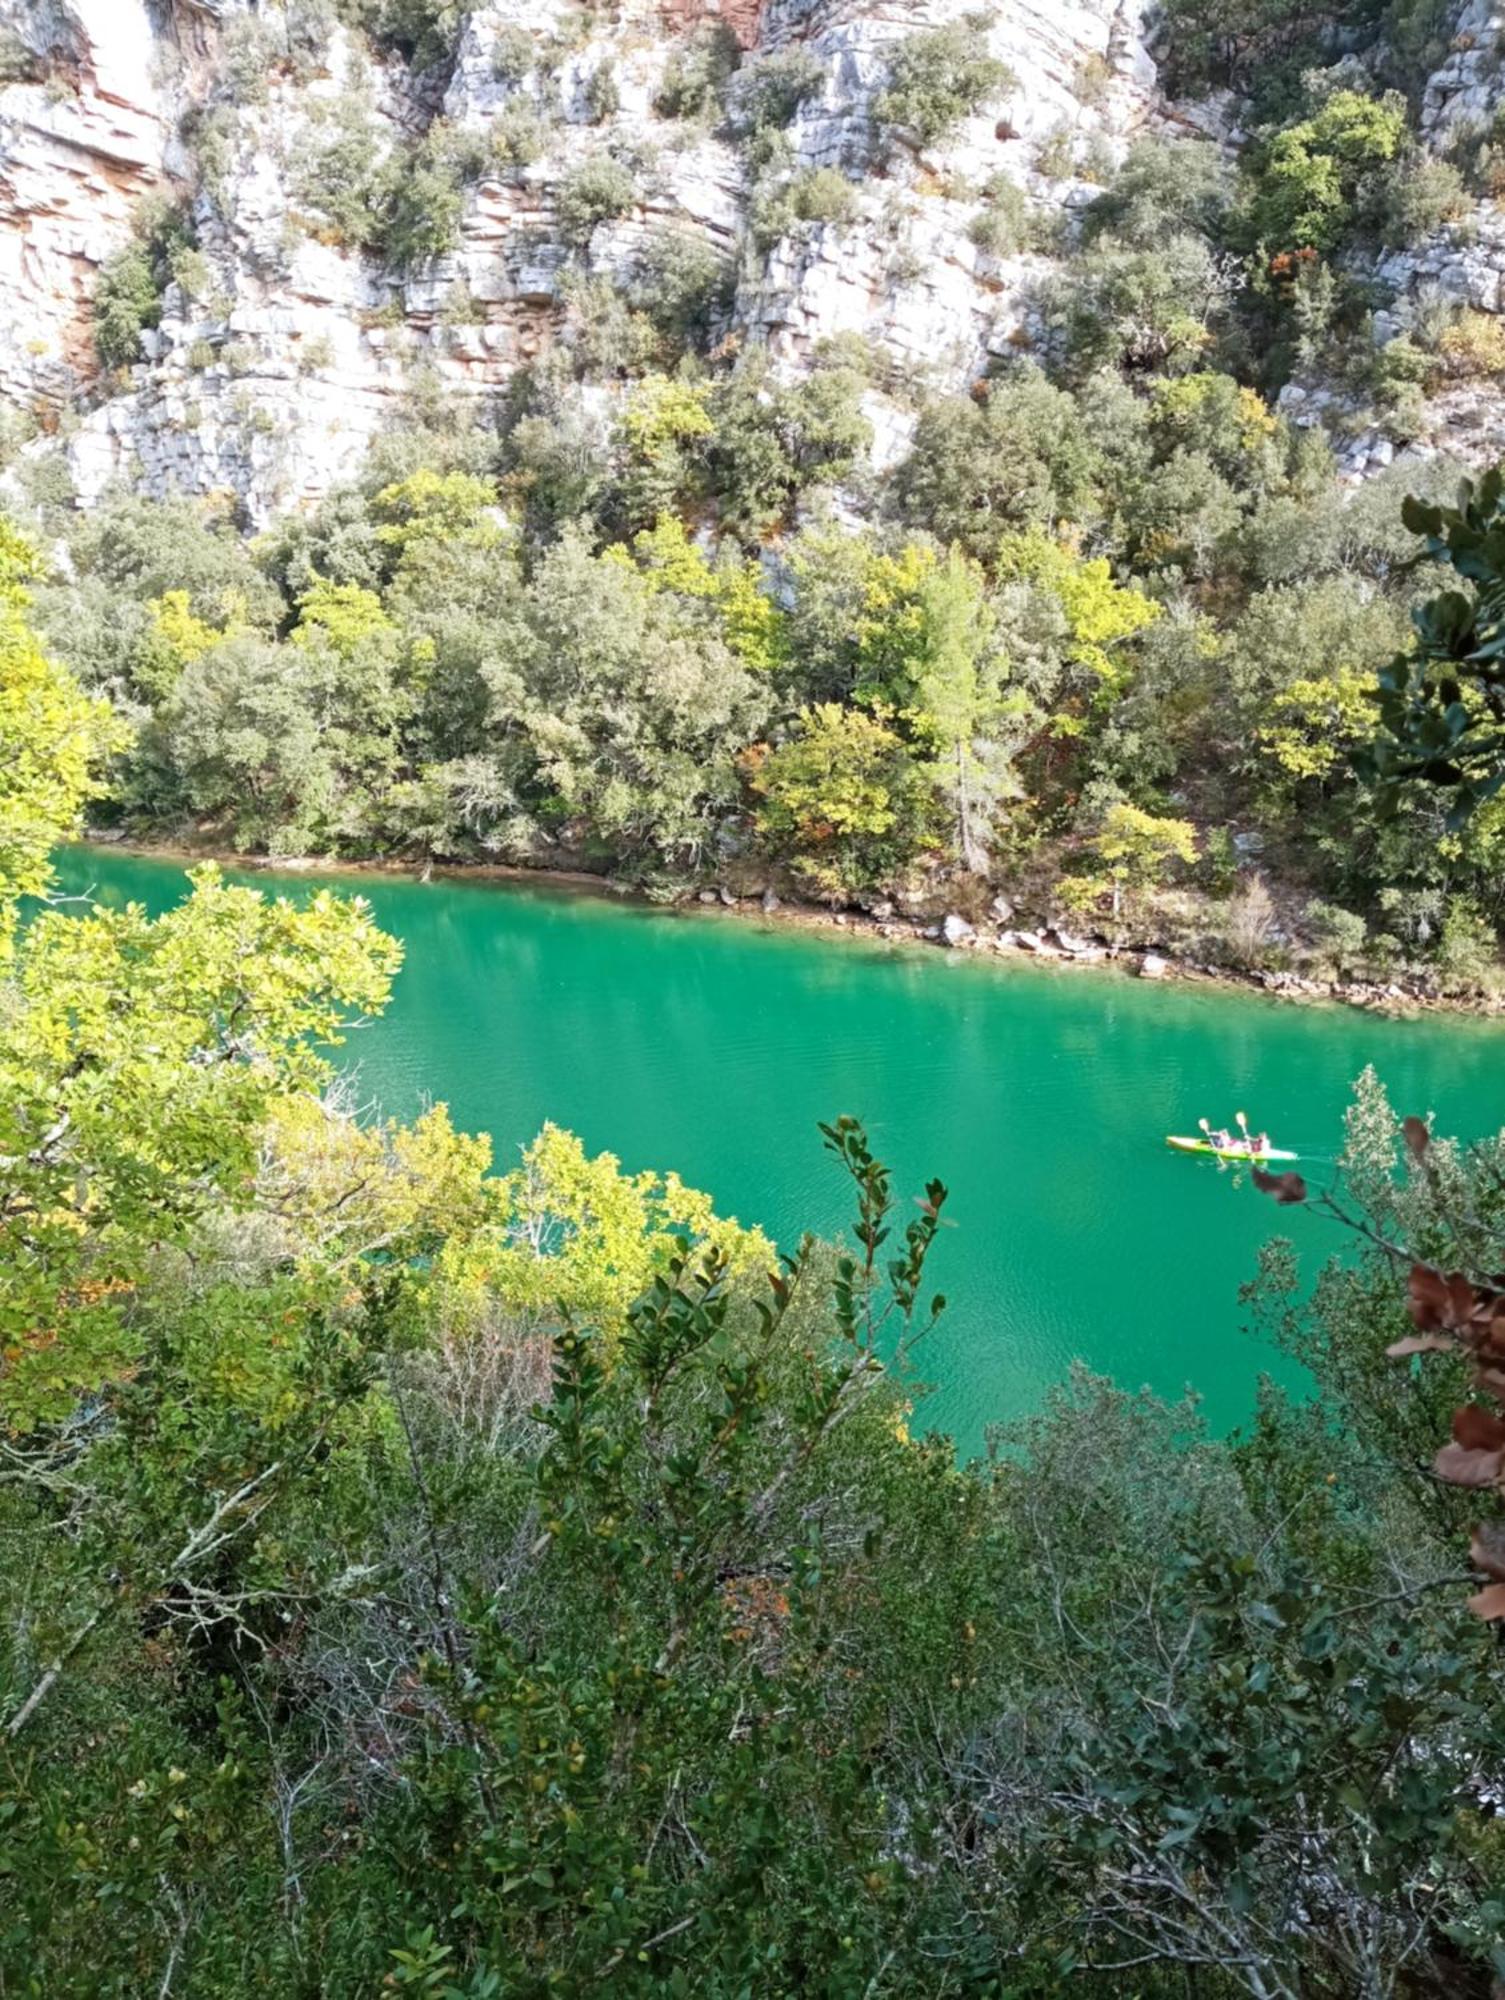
(1237,1152)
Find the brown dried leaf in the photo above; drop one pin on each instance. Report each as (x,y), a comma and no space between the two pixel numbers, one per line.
(1491,1380)
(1422,1343)
(1487,1549)
(1426,1297)
(1477,1429)
(1453,1304)
(1488,1602)
(1417,1137)
(1288,1189)
(1460,1466)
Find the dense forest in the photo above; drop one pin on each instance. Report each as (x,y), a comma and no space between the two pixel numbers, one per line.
(1105,637)
(474,1583)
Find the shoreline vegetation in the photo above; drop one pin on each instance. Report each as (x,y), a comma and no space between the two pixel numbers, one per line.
(1047,944)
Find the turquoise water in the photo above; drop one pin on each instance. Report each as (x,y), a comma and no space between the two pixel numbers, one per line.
(713,1045)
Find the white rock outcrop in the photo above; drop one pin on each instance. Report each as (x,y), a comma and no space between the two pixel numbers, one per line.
(267,383)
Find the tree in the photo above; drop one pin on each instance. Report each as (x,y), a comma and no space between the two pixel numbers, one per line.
(773,442)
(843,799)
(1016,456)
(53,741)
(568,1234)
(627,708)
(1100,612)
(1220,43)
(747,616)
(1153,311)
(1310,181)
(939,77)
(927,655)
(1136,847)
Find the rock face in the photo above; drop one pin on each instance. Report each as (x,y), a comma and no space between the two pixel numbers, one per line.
(267,383)
(85,133)
(286,350)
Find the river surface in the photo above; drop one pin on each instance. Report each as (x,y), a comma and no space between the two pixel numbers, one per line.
(712,1045)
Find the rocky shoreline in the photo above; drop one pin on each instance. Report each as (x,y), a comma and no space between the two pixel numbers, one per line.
(998,937)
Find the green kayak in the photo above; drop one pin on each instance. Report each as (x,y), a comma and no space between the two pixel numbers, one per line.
(1238,1151)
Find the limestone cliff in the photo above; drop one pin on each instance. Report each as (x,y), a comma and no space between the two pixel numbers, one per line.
(283,349)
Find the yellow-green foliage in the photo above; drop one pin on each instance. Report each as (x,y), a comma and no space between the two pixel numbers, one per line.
(53,741)
(1137,847)
(832,780)
(1100,613)
(347,1190)
(752,623)
(1184,404)
(177,637)
(1310,173)
(432,506)
(342,616)
(138,1060)
(575,1234)
(663,413)
(1473,345)
(1318,720)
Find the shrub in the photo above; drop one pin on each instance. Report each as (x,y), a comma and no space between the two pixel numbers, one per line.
(814,195)
(426,198)
(609,337)
(423,31)
(1479,153)
(246,55)
(680,283)
(1468,948)
(514,54)
(770,90)
(1056,155)
(696,77)
(305,29)
(517,136)
(1473,345)
(602,97)
(129,296)
(18,63)
(1415,196)
(340,168)
(821,194)
(1257,45)
(1396,376)
(1249,923)
(600,189)
(1339,934)
(1004,226)
(1164,189)
(939,77)
(1093,79)
(126,303)
(315,354)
